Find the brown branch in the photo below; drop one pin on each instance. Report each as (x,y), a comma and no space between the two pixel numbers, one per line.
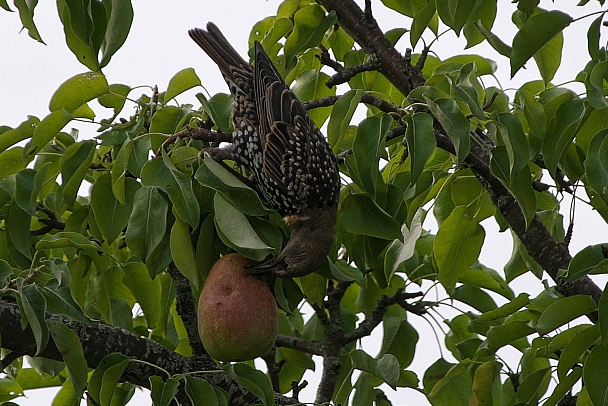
(346,74)
(332,342)
(186,308)
(196,133)
(364,29)
(300,344)
(274,368)
(377,102)
(326,60)
(99,340)
(372,321)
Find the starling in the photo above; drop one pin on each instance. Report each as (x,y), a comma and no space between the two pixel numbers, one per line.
(293,167)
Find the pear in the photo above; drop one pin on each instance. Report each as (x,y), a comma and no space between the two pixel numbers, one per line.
(237,313)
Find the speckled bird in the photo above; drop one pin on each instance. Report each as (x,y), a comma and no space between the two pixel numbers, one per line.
(293,167)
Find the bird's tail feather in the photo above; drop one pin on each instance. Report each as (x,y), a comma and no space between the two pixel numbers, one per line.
(218,48)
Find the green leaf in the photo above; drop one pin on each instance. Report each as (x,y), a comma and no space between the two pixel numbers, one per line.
(594,85)
(534,34)
(166,120)
(253,380)
(112,216)
(576,348)
(68,344)
(593,38)
(183,80)
(564,311)
(455,388)
(456,125)
(78,90)
(33,304)
(483,381)
(60,301)
(162,392)
(506,334)
(310,25)
(587,261)
(119,23)
(595,374)
(389,369)
(26,14)
(495,42)
(162,173)
(84,25)
(466,88)
(596,164)
(182,251)
(236,231)
(219,108)
(17,226)
(549,57)
(200,392)
(146,291)
(520,185)
(147,223)
(399,340)
(241,196)
(11,161)
(47,129)
(421,21)
(456,13)
(421,143)
(562,129)
(368,145)
(359,214)
(341,115)
(564,386)
(24,131)
(106,377)
(399,252)
(310,85)
(75,162)
(457,246)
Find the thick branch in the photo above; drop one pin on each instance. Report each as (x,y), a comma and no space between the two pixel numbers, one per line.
(99,340)
(186,308)
(365,30)
(332,343)
(300,344)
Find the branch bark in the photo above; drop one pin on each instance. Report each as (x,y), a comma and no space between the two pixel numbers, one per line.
(99,340)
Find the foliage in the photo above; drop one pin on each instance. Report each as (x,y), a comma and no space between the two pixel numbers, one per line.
(95,284)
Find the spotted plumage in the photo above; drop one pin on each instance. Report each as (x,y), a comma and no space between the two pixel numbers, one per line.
(294,169)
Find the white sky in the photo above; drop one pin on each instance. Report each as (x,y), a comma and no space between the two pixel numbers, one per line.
(158,46)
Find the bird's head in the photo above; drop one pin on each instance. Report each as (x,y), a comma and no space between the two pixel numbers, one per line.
(309,242)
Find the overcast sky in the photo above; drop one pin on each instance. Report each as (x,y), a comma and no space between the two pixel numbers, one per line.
(158,46)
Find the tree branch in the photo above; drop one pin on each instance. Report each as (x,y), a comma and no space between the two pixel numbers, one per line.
(364,29)
(186,308)
(372,321)
(300,344)
(332,343)
(377,102)
(99,340)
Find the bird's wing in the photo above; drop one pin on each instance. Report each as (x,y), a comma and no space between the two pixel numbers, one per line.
(283,129)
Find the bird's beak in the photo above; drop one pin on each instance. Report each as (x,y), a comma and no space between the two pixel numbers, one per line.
(264,267)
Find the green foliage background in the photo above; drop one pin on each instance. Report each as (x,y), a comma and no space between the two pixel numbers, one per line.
(448,145)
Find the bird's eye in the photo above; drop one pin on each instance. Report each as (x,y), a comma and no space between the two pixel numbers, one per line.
(284,265)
